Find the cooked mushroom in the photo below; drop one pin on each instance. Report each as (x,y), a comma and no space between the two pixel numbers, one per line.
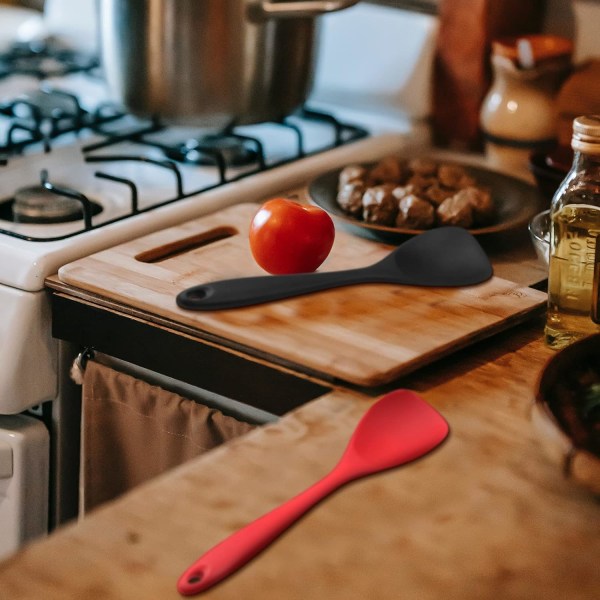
(481,202)
(454,176)
(415,213)
(456,210)
(436,193)
(350,174)
(388,170)
(379,205)
(423,166)
(350,197)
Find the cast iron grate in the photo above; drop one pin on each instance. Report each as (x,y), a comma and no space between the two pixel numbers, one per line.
(44,59)
(45,114)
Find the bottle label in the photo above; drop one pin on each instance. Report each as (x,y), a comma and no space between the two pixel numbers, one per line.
(596,288)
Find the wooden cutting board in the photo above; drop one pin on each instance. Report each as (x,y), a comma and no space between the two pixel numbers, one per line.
(366,335)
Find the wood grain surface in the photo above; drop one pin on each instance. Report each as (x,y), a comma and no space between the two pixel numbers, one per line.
(485,516)
(366,335)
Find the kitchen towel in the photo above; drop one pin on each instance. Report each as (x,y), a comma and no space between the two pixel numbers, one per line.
(133,431)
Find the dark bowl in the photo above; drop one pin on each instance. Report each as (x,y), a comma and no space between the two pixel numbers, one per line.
(539,231)
(567,410)
(550,168)
(516,201)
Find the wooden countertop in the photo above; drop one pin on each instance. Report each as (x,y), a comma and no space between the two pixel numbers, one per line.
(486,515)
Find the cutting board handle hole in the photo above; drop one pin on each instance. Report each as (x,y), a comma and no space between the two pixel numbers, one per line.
(188,244)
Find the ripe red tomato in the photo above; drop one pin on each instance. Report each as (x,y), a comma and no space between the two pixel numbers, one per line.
(289,237)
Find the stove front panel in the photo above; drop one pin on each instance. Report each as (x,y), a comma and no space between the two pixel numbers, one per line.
(28,353)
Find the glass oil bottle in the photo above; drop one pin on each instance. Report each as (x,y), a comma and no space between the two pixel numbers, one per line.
(574,272)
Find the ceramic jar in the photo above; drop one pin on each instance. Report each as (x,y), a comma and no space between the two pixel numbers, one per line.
(518,114)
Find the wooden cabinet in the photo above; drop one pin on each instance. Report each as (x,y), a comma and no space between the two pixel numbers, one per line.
(462,73)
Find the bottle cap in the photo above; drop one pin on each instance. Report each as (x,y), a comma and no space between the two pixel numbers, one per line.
(586,134)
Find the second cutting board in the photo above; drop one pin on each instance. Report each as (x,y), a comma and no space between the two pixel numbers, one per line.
(367,335)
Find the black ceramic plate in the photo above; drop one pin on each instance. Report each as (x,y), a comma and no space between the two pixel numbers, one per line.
(516,202)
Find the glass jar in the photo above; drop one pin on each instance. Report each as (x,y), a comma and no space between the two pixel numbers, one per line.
(518,114)
(574,271)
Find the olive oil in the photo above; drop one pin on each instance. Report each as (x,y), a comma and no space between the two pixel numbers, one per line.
(574,269)
(571,288)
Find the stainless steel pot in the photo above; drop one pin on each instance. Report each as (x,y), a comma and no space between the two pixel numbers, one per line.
(211,63)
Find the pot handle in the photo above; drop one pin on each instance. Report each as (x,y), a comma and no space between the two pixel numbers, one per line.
(301,8)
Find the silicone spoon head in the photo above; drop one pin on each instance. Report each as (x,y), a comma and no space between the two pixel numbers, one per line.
(447,256)
(400,427)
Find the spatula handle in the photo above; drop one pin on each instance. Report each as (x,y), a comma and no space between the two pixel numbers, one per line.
(245,291)
(239,548)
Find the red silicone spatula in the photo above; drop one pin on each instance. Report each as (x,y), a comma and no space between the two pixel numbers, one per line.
(398,428)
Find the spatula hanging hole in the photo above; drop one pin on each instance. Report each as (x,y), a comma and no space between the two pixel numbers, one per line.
(196,578)
(198,293)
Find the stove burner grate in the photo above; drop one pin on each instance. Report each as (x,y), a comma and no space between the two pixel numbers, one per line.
(45,114)
(224,150)
(36,204)
(47,203)
(44,59)
(28,203)
(228,148)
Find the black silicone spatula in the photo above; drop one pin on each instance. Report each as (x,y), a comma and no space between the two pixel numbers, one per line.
(442,257)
